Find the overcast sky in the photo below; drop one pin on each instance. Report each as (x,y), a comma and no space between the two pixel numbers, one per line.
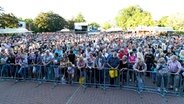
(93,10)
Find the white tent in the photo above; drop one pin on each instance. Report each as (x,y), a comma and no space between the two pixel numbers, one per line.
(13,30)
(154,29)
(65,30)
(163,29)
(114,30)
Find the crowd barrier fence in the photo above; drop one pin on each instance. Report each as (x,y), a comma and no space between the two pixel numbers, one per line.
(149,81)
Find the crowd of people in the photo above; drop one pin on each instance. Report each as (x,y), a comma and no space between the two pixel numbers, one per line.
(68,56)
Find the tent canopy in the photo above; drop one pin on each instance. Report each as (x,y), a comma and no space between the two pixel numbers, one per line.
(154,28)
(65,30)
(13,30)
(114,30)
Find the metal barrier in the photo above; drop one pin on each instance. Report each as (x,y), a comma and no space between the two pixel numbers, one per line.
(149,81)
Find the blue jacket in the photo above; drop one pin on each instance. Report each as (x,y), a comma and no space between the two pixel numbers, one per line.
(113,61)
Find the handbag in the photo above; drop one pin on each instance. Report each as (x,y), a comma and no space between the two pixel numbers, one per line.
(81,80)
(113,73)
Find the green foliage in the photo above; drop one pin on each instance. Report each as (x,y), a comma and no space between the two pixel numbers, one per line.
(106,26)
(177,22)
(49,22)
(163,22)
(8,21)
(79,18)
(29,23)
(70,24)
(180,32)
(133,16)
(94,25)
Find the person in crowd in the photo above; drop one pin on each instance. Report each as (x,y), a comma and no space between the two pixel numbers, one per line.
(149,60)
(23,65)
(37,65)
(140,54)
(4,57)
(121,53)
(30,58)
(71,72)
(132,59)
(90,68)
(72,57)
(11,62)
(124,67)
(113,64)
(56,63)
(168,54)
(162,74)
(59,51)
(81,65)
(18,59)
(100,63)
(157,54)
(63,67)
(47,61)
(140,67)
(174,67)
(181,57)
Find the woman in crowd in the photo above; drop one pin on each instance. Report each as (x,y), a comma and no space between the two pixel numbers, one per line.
(81,65)
(90,69)
(140,67)
(63,67)
(100,63)
(56,63)
(162,75)
(23,65)
(124,67)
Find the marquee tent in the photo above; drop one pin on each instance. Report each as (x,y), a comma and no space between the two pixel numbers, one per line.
(14,30)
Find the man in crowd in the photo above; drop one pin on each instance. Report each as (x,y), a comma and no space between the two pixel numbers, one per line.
(174,68)
(113,63)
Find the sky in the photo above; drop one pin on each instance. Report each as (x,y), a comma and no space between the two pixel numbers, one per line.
(93,10)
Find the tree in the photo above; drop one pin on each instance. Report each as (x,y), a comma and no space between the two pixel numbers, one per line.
(29,23)
(70,24)
(1,9)
(94,25)
(106,26)
(133,16)
(79,18)
(49,22)
(8,21)
(176,21)
(163,22)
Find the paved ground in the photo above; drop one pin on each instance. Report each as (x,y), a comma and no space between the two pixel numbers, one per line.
(28,93)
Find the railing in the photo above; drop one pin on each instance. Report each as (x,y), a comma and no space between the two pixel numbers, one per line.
(149,81)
